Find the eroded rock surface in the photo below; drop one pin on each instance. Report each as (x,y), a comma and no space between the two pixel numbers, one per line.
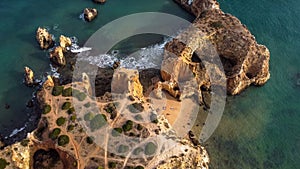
(64,41)
(90,14)
(29,76)
(57,56)
(44,38)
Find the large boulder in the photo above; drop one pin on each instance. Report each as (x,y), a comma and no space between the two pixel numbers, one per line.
(29,76)
(57,56)
(64,41)
(44,38)
(90,14)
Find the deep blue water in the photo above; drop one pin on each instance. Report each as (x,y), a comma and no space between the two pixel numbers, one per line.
(260,128)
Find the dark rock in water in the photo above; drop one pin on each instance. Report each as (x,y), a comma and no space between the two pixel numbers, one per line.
(44,38)
(7,106)
(90,14)
(100,1)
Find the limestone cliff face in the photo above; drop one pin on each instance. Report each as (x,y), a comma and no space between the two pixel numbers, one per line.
(57,56)
(244,61)
(64,41)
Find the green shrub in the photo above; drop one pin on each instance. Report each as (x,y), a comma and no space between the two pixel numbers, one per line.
(70,127)
(136,108)
(139,127)
(98,121)
(66,106)
(60,121)
(24,142)
(73,118)
(87,105)
(150,148)
(89,140)
(57,90)
(112,165)
(89,116)
(123,149)
(63,140)
(137,151)
(71,110)
(55,133)
(153,118)
(138,117)
(79,95)
(47,109)
(116,132)
(127,126)
(139,167)
(109,108)
(3,163)
(100,167)
(67,92)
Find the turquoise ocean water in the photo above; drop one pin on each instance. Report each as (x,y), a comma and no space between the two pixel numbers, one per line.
(260,128)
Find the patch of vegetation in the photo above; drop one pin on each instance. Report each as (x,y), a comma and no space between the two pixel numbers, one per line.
(47,109)
(139,167)
(138,117)
(123,149)
(66,106)
(110,108)
(150,148)
(3,163)
(153,118)
(55,133)
(136,108)
(87,105)
(71,110)
(61,121)
(100,167)
(116,132)
(24,142)
(98,121)
(67,92)
(139,127)
(127,126)
(217,24)
(79,95)
(70,127)
(137,151)
(112,165)
(89,116)
(57,90)
(89,140)
(63,140)
(73,118)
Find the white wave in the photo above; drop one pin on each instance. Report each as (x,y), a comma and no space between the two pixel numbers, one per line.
(79,50)
(145,58)
(54,72)
(16,131)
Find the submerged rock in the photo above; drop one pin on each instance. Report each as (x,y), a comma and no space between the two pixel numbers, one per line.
(44,38)
(57,56)
(90,14)
(29,76)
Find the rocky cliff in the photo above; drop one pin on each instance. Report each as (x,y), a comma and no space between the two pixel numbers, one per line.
(244,61)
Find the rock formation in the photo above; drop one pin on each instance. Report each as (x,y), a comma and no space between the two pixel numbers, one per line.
(100,1)
(44,38)
(57,56)
(90,14)
(244,61)
(48,83)
(64,42)
(29,76)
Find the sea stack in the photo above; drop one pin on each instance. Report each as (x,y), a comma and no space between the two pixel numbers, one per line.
(64,42)
(29,76)
(90,14)
(44,38)
(57,56)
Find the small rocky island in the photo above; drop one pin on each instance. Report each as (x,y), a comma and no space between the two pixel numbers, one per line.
(79,131)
